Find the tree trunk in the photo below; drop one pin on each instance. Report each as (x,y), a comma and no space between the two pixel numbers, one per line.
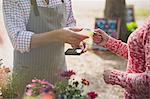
(116,9)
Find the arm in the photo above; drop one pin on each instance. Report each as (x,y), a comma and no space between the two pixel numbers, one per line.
(24,40)
(101,38)
(118,47)
(15,26)
(130,81)
(139,50)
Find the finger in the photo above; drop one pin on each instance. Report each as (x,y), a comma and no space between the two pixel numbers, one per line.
(75,29)
(83,46)
(82,37)
(76,43)
(97,34)
(97,39)
(75,46)
(99,30)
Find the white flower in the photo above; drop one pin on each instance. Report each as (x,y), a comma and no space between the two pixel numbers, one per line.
(76,82)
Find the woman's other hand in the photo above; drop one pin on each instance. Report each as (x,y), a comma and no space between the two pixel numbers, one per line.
(106,75)
(100,37)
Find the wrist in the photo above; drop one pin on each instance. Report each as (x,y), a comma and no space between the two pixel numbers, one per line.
(105,41)
(108,41)
(64,35)
(117,78)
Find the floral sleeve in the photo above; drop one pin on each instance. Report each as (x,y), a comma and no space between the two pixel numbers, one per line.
(130,81)
(118,47)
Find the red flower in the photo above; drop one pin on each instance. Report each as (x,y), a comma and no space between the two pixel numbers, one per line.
(68,74)
(85,82)
(92,95)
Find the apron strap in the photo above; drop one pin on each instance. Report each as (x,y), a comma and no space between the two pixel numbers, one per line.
(62,1)
(35,7)
(47,1)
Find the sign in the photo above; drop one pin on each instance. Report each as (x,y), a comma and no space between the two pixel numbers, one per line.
(130,14)
(109,26)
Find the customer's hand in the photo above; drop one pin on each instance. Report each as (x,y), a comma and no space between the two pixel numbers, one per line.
(106,75)
(71,36)
(100,37)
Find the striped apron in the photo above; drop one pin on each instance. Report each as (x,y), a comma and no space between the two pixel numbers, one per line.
(44,62)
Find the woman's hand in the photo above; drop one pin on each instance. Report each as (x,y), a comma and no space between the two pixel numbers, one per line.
(100,37)
(71,36)
(106,75)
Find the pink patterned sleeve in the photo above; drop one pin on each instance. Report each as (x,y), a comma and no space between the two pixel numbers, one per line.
(130,81)
(146,42)
(118,47)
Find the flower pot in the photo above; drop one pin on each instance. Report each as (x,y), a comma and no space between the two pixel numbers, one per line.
(48,96)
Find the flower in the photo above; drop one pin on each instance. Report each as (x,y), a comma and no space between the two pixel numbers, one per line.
(68,74)
(38,87)
(92,95)
(5,79)
(75,88)
(85,82)
(29,92)
(76,82)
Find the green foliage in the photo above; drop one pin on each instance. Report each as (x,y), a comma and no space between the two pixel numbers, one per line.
(131,26)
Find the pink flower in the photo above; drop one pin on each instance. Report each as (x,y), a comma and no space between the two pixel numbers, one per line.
(33,85)
(29,92)
(44,82)
(68,74)
(92,95)
(34,80)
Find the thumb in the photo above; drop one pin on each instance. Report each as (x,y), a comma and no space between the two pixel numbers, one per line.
(83,37)
(99,31)
(75,29)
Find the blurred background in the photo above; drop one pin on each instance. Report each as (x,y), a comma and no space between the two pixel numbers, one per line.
(85,11)
(92,63)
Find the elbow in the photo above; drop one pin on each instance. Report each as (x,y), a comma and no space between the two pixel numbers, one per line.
(19,45)
(16,45)
(18,48)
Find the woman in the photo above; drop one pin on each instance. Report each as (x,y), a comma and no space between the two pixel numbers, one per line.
(36,30)
(136,80)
